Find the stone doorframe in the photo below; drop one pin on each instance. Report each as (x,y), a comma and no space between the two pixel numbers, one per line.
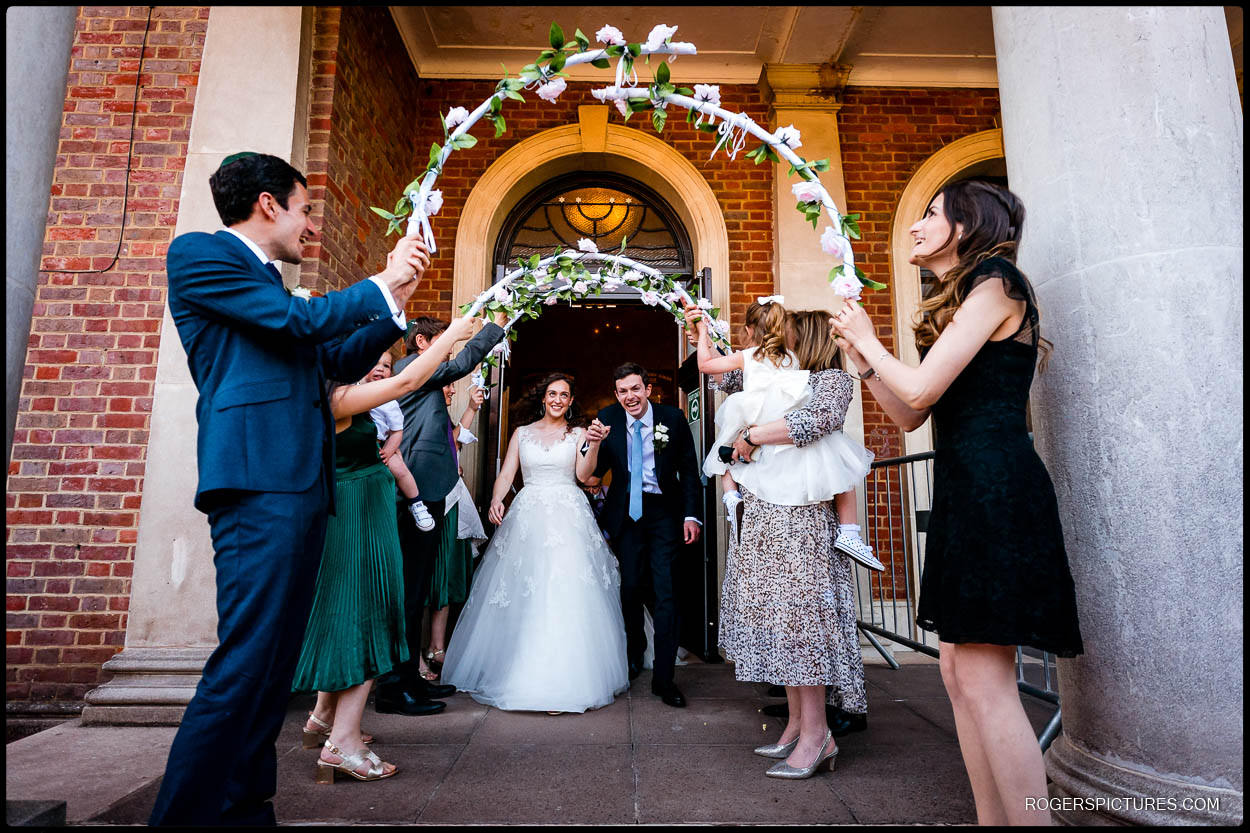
(937,170)
(593,144)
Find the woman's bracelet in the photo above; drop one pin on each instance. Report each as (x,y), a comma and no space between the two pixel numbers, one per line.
(872,371)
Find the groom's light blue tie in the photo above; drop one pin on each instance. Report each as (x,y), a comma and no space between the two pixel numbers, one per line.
(635,473)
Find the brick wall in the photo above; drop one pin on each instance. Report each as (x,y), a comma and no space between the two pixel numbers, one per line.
(743,189)
(886,134)
(361,151)
(76,472)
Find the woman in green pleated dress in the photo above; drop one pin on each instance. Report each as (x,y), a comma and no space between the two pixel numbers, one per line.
(355,632)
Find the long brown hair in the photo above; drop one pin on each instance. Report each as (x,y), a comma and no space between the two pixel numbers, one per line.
(813,343)
(992,218)
(529,407)
(768,321)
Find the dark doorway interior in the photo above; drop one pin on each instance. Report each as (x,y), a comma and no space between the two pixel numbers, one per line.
(586,341)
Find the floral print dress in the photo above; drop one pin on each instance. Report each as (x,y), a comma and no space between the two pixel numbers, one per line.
(788,600)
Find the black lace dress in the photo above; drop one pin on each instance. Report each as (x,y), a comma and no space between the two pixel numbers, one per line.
(995,567)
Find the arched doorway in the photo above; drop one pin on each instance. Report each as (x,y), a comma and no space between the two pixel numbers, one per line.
(588,339)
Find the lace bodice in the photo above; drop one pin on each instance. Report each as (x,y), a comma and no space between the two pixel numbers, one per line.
(550,464)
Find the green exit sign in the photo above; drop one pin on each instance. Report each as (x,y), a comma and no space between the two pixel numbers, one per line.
(692,403)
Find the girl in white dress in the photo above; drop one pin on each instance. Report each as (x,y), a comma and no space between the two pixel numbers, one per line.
(772,384)
(542,628)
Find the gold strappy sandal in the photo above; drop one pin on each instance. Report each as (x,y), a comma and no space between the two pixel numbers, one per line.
(313,740)
(326,771)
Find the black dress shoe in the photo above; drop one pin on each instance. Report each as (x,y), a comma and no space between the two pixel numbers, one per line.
(776,691)
(401,702)
(425,690)
(669,693)
(841,723)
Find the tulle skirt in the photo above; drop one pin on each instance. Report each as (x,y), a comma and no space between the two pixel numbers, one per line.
(542,628)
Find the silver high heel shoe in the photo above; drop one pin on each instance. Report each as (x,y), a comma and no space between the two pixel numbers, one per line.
(777,750)
(784,770)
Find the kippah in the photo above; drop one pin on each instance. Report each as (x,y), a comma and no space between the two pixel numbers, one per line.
(235,157)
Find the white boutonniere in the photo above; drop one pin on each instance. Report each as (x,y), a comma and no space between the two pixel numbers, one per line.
(660,437)
(300,292)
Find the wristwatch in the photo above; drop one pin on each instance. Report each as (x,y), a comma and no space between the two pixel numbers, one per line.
(746,436)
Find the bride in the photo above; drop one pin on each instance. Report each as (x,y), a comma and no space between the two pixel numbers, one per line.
(542,628)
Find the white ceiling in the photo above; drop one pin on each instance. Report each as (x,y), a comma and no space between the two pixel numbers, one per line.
(933,46)
(890,45)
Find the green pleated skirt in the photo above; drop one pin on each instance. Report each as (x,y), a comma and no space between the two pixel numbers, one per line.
(453,567)
(356,629)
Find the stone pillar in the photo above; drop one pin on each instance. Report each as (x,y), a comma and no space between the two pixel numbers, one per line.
(1123,136)
(37,41)
(806,95)
(251,65)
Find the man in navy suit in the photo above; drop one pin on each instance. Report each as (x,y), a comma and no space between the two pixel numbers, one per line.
(650,512)
(260,358)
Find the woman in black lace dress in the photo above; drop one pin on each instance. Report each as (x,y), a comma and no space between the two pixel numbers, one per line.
(996,574)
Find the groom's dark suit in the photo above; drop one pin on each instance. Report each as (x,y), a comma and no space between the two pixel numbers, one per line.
(265,448)
(650,544)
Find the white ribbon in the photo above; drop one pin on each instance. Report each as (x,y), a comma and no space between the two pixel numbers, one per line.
(419,217)
(765,301)
(731,141)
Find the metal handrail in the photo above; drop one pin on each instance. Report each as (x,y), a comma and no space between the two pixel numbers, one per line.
(897,536)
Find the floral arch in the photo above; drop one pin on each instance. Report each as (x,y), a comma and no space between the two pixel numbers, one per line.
(564,275)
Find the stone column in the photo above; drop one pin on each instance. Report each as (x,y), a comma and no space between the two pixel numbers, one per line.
(1123,136)
(806,96)
(37,42)
(251,65)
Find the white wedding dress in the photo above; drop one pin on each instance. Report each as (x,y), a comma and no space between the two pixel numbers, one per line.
(542,628)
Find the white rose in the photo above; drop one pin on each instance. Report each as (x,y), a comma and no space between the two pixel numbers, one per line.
(540,274)
(580,288)
(633,276)
(789,137)
(610,35)
(650,298)
(455,116)
(658,35)
(551,300)
(550,91)
(587,245)
(433,202)
(807,191)
(847,286)
(501,294)
(707,92)
(611,285)
(835,244)
(722,328)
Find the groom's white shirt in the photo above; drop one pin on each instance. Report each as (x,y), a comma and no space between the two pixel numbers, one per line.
(650,483)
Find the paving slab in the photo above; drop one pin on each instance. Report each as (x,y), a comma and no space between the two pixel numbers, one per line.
(635,761)
(713,722)
(882,784)
(399,799)
(90,768)
(708,784)
(536,784)
(609,724)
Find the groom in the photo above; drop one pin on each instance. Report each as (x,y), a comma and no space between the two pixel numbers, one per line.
(650,512)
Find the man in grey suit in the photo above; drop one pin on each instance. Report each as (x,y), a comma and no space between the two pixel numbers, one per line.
(430,453)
